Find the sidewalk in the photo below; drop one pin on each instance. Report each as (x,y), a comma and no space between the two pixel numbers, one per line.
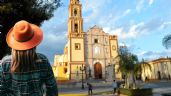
(85,92)
(102,87)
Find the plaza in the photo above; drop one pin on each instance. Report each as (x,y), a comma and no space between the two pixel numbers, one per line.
(101,88)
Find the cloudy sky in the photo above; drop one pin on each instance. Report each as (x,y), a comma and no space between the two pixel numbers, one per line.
(139,24)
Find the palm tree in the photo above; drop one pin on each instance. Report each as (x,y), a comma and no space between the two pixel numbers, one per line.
(130,67)
(127,63)
(167,41)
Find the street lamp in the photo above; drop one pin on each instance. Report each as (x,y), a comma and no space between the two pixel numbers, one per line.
(82,69)
(77,74)
(89,73)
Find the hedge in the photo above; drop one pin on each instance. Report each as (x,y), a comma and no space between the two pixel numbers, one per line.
(136,92)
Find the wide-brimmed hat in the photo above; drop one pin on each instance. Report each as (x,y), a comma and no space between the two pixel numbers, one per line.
(24,36)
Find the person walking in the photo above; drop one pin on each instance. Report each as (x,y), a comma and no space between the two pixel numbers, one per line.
(25,72)
(114,86)
(90,89)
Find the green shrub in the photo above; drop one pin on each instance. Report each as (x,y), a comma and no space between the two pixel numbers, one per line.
(168,94)
(136,92)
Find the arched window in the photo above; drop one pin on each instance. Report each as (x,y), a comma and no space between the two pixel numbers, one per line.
(75,12)
(76,27)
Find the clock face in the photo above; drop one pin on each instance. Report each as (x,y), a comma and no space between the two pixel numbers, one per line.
(114,47)
(97,50)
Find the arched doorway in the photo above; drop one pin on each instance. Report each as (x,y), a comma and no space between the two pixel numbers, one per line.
(98,71)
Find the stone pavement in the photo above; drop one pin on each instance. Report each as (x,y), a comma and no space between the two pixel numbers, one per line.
(158,88)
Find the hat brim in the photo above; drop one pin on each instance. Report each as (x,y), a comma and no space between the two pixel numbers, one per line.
(33,42)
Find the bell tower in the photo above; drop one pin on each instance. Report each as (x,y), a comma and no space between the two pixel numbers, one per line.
(75,21)
(75,39)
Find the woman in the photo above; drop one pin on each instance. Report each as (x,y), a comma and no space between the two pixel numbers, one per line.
(90,89)
(25,72)
(114,86)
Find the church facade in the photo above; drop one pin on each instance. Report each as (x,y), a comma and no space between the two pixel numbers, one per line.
(90,54)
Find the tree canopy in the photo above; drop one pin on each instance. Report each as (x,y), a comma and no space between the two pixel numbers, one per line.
(33,11)
(167,41)
(130,66)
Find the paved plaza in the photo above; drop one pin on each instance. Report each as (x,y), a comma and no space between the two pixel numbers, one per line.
(159,88)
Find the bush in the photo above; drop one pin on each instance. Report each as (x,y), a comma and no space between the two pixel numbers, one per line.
(169,94)
(136,92)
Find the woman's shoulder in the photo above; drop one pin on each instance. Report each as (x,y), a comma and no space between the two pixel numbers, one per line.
(41,56)
(6,58)
(42,59)
(5,63)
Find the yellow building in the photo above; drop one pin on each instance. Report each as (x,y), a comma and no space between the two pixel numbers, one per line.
(89,53)
(160,69)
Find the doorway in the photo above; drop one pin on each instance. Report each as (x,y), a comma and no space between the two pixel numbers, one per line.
(98,71)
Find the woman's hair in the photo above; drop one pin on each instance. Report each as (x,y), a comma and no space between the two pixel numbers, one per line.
(23,60)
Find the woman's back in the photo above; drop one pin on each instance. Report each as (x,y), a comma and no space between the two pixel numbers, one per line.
(28,83)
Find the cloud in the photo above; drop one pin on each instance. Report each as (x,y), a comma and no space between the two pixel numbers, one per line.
(140,5)
(92,8)
(126,12)
(151,55)
(165,25)
(151,2)
(136,30)
(132,32)
(153,24)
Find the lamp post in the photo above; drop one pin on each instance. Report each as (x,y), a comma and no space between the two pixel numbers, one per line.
(90,73)
(82,69)
(113,76)
(77,74)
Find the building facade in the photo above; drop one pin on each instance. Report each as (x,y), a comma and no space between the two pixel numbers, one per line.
(160,69)
(86,54)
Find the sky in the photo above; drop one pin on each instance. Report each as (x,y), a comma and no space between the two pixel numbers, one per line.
(139,24)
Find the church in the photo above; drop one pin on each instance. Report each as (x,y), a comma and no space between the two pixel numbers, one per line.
(87,55)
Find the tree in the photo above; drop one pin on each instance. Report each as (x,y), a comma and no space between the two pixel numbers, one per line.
(127,63)
(167,41)
(34,11)
(130,67)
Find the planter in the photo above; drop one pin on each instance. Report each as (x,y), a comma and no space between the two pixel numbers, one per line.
(136,92)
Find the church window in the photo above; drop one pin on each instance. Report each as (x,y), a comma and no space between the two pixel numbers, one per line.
(77,46)
(97,50)
(66,64)
(95,40)
(76,27)
(75,12)
(65,70)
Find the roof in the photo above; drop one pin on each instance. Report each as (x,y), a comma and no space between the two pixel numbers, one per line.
(162,59)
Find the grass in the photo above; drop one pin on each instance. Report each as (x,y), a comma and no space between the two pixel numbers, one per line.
(72,94)
(104,93)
